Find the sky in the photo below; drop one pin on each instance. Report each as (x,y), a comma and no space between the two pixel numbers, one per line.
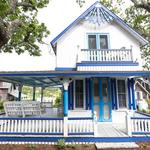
(56,16)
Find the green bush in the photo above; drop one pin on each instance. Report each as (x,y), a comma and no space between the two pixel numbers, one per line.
(61,145)
(1,106)
(31,147)
(72,145)
(148,102)
(58,101)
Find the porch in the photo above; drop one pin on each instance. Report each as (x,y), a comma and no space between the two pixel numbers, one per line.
(76,122)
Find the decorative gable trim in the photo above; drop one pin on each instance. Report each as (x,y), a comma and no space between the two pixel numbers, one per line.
(103,15)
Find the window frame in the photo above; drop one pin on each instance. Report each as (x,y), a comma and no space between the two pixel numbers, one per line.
(126,94)
(74,97)
(98,39)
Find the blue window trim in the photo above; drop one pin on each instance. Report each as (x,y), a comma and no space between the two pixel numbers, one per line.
(98,39)
(115,91)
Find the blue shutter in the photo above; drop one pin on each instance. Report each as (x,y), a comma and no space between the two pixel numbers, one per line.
(70,98)
(87,85)
(115,95)
(112,94)
(129,94)
(133,95)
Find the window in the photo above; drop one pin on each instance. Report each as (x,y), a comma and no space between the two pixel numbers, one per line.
(98,41)
(79,93)
(121,88)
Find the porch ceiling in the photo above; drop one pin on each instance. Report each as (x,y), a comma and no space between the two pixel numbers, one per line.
(54,78)
(41,81)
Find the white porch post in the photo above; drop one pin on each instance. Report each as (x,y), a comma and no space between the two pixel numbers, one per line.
(34,88)
(95,124)
(128,124)
(42,92)
(20,92)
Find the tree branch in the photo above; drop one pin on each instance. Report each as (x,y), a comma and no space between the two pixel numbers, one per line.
(26,5)
(142,4)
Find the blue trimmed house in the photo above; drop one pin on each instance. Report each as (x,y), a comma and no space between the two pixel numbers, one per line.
(97,62)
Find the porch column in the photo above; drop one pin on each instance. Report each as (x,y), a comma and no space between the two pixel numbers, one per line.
(42,92)
(20,92)
(65,97)
(133,94)
(34,89)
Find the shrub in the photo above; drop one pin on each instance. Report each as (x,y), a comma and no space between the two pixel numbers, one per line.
(31,147)
(61,145)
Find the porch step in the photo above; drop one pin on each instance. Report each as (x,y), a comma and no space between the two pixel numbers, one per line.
(118,145)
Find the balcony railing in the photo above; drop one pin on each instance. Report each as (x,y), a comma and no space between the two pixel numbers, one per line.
(106,55)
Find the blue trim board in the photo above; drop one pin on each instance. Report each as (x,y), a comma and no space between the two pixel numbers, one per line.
(64,69)
(85,118)
(14,118)
(140,133)
(83,133)
(140,118)
(148,115)
(74,73)
(74,139)
(112,94)
(29,133)
(90,63)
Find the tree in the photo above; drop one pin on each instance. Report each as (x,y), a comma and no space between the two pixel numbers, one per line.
(20,30)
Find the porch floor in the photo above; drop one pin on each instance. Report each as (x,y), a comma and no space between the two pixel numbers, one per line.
(110,130)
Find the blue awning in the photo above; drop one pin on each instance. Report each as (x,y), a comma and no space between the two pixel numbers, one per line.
(54,78)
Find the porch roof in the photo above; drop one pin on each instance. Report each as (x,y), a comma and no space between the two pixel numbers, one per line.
(54,78)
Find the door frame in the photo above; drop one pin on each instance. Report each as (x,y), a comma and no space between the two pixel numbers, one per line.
(101,101)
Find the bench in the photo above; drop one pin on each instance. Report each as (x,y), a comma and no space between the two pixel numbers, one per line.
(22,108)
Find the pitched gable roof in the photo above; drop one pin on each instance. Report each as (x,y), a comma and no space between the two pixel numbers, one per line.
(99,13)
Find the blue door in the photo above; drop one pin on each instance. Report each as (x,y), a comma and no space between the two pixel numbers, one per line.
(102,99)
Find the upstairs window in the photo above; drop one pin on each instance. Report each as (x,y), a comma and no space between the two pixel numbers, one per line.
(98,41)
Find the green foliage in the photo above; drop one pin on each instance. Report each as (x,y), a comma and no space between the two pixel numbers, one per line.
(48,92)
(31,147)
(136,17)
(58,101)
(1,106)
(61,145)
(19,27)
(148,102)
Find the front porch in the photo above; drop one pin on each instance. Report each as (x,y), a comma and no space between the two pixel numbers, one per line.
(78,118)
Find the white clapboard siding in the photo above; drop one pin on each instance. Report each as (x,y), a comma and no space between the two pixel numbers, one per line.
(80,125)
(31,126)
(140,125)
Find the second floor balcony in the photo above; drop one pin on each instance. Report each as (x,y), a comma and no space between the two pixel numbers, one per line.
(105,55)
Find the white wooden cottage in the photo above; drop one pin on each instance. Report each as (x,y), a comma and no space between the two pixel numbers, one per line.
(97,60)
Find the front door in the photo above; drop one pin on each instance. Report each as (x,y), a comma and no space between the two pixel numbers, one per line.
(101,99)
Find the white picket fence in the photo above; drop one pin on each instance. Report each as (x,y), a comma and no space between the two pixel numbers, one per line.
(140,125)
(31,126)
(80,126)
(46,126)
(105,55)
